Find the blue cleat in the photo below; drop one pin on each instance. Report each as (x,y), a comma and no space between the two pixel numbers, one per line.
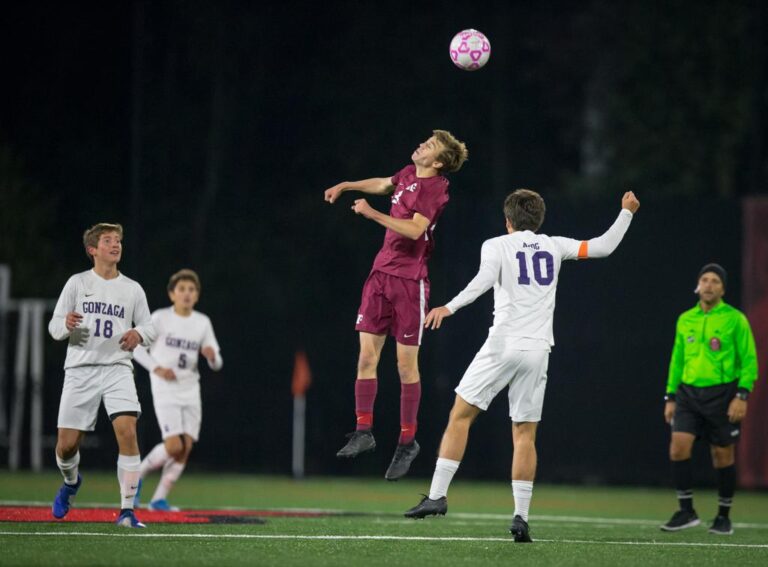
(128,520)
(61,503)
(137,498)
(162,506)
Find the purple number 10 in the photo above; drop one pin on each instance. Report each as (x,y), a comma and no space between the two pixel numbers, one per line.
(542,279)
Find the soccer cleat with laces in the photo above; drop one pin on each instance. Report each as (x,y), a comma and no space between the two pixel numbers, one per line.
(62,502)
(428,507)
(721,526)
(127,519)
(162,506)
(359,442)
(401,462)
(681,520)
(519,529)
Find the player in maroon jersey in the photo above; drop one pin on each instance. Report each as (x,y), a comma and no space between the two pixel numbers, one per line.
(395,295)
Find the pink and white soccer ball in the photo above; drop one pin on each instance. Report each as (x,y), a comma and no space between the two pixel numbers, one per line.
(470,50)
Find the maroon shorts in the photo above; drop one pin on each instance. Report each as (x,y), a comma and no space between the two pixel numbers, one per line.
(394,305)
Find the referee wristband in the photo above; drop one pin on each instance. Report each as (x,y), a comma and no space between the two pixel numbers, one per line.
(669,398)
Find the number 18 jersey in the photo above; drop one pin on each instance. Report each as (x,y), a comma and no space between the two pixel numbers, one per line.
(523,268)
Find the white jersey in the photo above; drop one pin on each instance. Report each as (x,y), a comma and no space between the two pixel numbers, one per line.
(109,308)
(177,347)
(523,269)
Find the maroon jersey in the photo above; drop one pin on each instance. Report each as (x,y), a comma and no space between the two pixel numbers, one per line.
(401,256)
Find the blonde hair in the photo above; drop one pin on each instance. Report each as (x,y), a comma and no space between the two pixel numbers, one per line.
(454,152)
(181,275)
(92,235)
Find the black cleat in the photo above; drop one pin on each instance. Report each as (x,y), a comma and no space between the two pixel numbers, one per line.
(359,442)
(428,507)
(401,462)
(681,520)
(721,526)
(519,529)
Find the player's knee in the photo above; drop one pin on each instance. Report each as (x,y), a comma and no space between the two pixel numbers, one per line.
(679,452)
(722,456)
(367,361)
(126,437)
(408,371)
(66,448)
(174,447)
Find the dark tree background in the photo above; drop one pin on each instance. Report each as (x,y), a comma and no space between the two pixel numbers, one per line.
(211,129)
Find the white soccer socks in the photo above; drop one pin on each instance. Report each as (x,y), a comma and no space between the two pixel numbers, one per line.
(128,477)
(156,458)
(522,491)
(441,480)
(69,467)
(171,473)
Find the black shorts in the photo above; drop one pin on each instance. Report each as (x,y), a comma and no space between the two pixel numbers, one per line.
(704,413)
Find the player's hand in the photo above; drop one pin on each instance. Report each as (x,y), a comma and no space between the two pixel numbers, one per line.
(630,202)
(166,373)
(435,317)
(334,192)
(72,320)
(209,354)
(669,411)
(130,340)
(361,207)
(737,410)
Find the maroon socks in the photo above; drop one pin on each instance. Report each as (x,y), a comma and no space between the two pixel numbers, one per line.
(365,395)
(410,396)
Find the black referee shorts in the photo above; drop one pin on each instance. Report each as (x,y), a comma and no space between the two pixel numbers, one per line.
(703,412)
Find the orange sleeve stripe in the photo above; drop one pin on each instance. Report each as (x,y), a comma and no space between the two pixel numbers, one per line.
(583,250)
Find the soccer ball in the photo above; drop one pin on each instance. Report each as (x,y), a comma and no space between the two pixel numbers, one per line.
(470,50)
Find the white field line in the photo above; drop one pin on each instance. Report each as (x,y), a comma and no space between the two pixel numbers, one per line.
(372,538)
(451,515)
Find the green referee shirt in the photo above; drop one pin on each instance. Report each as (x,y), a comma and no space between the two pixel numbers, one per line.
(713,348)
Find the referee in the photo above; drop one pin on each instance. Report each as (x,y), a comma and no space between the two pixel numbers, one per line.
(713,369)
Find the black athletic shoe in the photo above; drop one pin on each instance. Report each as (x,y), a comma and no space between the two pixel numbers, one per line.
(681,520)
(428,507)
(359,442)
(401,462)
(519,529)
(721,526)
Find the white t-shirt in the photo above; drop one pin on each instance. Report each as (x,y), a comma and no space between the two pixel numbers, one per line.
(109,308)
(523,269)
(177,347)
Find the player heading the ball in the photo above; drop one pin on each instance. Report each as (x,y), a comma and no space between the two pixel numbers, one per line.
(395,295)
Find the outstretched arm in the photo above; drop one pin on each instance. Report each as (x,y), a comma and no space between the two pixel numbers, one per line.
(605,244)
(372,186)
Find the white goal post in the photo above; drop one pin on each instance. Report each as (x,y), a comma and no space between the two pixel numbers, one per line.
(28,369)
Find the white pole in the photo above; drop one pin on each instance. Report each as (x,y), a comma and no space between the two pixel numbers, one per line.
(17,415)
(5,299)
(299,413)
(36,395)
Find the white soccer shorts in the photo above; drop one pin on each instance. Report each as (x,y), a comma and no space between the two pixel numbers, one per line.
(497,365)
(176,418)
(86,387)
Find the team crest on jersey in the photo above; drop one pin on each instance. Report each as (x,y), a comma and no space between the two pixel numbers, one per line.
(714,344)
(691,339)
